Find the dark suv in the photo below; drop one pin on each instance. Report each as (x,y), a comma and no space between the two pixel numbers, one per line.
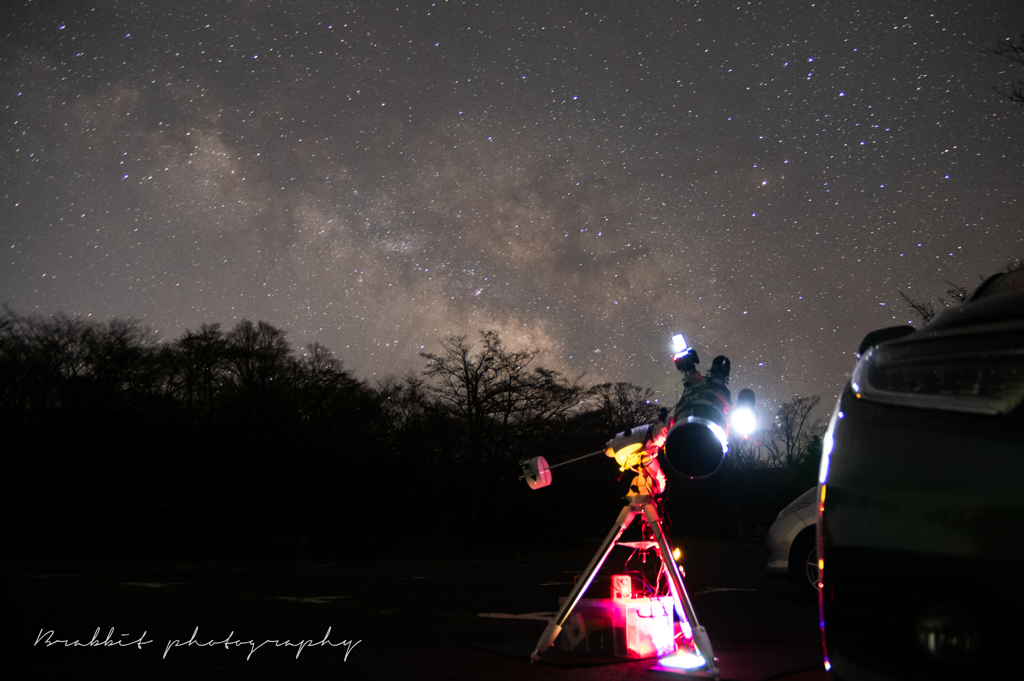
(921,520)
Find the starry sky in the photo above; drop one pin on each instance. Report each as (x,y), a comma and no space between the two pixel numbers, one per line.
(587,178)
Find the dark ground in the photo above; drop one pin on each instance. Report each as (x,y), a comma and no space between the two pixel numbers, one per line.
(416,617)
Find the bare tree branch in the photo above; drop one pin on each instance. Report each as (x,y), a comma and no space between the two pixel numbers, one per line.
(786,440)
(1012,51)
(958,293)
(495,397)
(925,310)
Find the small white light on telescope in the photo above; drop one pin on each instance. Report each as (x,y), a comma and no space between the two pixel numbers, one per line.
(679,347)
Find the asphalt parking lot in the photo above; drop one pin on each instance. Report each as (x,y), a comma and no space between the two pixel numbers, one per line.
(452,617)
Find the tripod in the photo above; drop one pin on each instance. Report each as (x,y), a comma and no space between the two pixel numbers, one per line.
(640,501)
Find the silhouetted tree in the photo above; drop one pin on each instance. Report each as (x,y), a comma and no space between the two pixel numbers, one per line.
(337,411)
(16,367)
(60,358)
(403,402)
(924,309)
(957,294)
(200,360)
(493,396)
(623,405)
(120,356)
(319,382)
(1012,51)
(61,362)
(496,406)
(787,441)
(257,356)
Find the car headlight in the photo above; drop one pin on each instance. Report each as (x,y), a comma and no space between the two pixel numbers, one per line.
(980,370)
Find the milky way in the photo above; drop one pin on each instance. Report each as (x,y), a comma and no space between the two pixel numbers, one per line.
(585,178)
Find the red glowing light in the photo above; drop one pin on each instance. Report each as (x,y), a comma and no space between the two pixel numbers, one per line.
(622,587)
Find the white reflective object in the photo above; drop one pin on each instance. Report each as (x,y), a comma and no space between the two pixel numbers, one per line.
(714,428)
(828,443)
(635,435)
(537,472)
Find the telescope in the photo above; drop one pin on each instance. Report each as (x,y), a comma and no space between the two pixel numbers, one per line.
(697,443)
(692,442)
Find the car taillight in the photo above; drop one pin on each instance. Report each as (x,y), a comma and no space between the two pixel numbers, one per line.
(980,370)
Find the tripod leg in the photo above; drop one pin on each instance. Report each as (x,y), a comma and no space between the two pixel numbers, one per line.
(555,626)
(682,599)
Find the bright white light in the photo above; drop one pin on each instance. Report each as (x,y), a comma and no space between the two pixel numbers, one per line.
(744,420)
(683,660)
(678,345)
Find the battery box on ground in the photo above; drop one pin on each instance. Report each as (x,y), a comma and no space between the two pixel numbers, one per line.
(626,627)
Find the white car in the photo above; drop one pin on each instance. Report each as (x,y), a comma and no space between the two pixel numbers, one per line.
(791,542)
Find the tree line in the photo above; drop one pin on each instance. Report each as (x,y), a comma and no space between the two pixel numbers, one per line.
(232,442)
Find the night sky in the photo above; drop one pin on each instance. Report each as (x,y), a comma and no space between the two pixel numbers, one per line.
(586,178)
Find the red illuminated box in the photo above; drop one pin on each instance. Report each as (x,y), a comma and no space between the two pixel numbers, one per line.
(622,587)
(630,628)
